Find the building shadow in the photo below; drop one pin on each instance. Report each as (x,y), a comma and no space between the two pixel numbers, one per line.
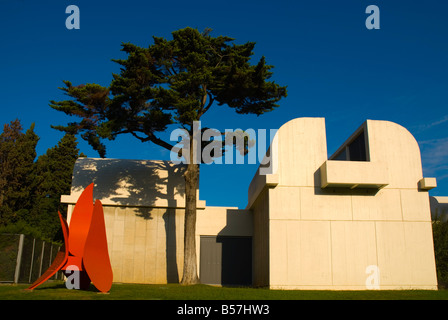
(226,259)
(143,185)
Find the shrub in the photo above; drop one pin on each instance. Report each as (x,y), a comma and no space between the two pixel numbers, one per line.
(440,235)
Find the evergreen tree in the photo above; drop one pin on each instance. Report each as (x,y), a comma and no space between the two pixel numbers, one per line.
(17,154)
(172,82)
(440,237)
(53,177)
(30,190)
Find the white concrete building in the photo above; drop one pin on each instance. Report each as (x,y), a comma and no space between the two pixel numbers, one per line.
(439,208)
(315,222)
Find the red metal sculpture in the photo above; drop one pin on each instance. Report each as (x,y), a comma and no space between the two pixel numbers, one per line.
(85,246)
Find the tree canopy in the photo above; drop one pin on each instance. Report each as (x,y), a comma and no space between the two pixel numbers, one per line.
(17,154)
(30,188)
(170,82)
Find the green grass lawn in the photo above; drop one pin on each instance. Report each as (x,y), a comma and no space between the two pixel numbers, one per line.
(57,291)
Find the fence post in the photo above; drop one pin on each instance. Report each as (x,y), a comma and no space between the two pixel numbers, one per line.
(32,260)
(41,259)
(19,258)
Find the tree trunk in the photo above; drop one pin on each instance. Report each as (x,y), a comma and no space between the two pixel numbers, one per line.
(190,275)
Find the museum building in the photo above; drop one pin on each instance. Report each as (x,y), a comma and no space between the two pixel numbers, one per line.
(313,222)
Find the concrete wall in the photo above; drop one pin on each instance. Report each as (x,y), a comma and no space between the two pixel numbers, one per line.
(143,205)
(439,208)
(130,183)
(330,220)
(146,245)
(316,222)
(261,240)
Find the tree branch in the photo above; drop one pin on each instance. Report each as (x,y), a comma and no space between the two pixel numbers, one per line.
(204,110)
(160,142)
(150,137)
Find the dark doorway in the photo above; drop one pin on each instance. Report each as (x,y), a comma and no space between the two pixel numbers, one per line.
(226,260)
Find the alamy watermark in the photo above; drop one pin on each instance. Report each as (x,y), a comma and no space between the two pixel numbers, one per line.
(373,20)
(73,20)
(73,279)
(213,146)
(373,278)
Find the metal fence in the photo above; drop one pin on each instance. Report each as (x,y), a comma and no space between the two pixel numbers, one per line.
(23,258)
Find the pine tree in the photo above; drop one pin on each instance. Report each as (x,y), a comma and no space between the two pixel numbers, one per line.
(17,154)
(53,177)
(172,82)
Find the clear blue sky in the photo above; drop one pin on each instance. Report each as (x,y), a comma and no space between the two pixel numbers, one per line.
(333,65)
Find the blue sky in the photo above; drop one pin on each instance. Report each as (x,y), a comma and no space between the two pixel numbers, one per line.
(333,65)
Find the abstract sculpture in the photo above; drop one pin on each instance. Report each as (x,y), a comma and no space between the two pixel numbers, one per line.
(85,246)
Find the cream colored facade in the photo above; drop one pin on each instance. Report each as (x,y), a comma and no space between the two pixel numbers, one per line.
(143,204)
(320,223)
(315,222)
